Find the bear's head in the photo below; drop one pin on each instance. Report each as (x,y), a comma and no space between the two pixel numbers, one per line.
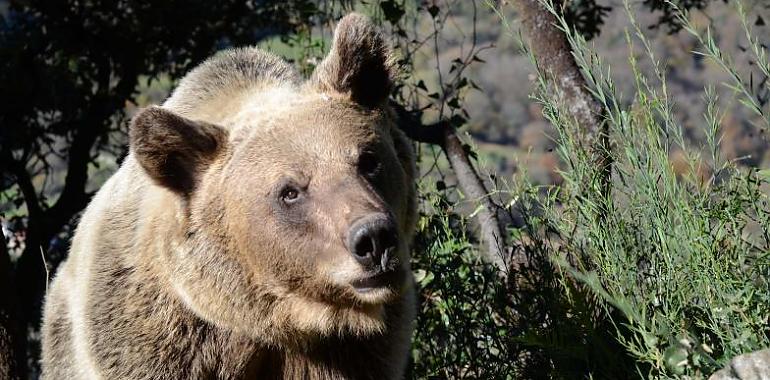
(294,200)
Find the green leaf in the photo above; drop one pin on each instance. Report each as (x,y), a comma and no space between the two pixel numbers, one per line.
(764,175)
(675,358)
(427,279)
(462,83)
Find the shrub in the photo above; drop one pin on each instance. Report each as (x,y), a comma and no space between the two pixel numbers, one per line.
(665,276)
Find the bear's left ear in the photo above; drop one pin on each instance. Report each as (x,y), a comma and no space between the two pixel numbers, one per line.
(174,150)
(359,64)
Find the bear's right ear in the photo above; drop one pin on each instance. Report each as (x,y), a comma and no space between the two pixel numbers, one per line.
(174,150)
(359,64)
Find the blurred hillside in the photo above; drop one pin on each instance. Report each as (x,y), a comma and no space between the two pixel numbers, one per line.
(508,126)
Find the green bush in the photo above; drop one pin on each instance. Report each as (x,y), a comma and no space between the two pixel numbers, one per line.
(665,276)
(684,257)
(475,323)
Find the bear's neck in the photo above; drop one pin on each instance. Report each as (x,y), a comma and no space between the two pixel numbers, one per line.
(187,346)
(327,359)
(333,357)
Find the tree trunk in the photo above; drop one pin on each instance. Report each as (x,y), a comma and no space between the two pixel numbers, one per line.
(11,338)
(443,134)
(554,58)
(473,188)
(30,280)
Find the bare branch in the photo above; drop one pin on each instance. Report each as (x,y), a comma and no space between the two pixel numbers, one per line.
(24,180)
(410,124)
(473,187)
(553,54)
(443,134)
(74,197)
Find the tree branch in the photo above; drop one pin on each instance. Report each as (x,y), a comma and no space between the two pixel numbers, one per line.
(23,179)
(409,123)
(443,134)
(553,55)
(11,342)
(474,189)
(74,197)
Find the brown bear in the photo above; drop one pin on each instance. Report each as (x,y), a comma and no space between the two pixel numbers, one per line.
(258,229)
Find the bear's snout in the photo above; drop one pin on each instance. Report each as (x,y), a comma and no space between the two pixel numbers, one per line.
(373,241)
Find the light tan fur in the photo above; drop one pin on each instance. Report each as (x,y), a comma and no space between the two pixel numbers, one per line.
(186,265)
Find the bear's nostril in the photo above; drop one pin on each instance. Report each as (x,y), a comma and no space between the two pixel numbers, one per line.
(365,246)
(372,242)
(387,239)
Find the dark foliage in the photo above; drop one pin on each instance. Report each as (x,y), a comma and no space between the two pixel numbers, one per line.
(669,13)
(473,323)
(587,16)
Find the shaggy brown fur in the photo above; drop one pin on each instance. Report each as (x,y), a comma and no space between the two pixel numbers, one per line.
(218,250)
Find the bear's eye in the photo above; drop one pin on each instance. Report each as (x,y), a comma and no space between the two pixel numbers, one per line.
(368,164)
(289,195)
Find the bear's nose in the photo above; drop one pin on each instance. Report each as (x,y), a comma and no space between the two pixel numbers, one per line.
(372,242)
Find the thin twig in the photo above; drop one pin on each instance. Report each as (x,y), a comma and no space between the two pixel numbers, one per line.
(45,266)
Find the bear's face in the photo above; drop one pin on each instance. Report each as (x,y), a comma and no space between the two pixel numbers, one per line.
(298,206)
(320,196)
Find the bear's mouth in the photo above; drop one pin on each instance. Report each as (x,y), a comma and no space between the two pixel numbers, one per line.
(381,279)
